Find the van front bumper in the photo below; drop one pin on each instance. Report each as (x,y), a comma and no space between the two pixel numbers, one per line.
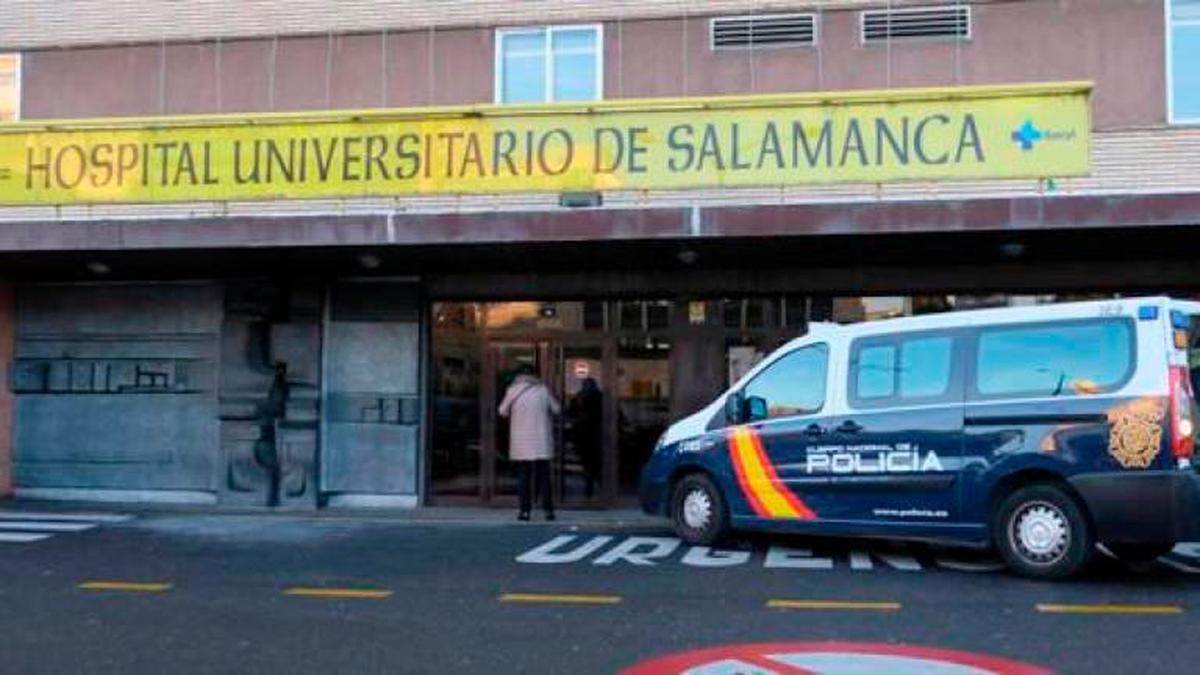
(1142,507)
(654,483)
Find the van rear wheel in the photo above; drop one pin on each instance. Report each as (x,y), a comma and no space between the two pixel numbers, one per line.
(1041,532)
(698,511)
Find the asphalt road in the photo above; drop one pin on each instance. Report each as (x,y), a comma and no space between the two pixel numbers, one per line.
(194,593)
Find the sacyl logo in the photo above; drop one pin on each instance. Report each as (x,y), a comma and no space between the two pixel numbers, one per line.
(1027,135)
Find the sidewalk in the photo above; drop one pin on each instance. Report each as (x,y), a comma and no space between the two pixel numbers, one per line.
(619,518)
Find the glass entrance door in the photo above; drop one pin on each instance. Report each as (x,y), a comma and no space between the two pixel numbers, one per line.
(502,363)
(577,374)
(583,458)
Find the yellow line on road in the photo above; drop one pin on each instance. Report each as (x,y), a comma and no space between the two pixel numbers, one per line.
(132,586)
(1109,609)
(561,599)
(360,593)
(834,605)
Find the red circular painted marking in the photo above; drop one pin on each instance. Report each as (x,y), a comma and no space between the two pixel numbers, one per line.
(756,654)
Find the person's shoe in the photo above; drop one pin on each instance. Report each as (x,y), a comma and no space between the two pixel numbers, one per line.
(550,516)
(523,516)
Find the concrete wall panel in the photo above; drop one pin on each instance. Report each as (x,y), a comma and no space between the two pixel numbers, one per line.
(191,84)
(245,76)
(356,80)
(94,82)
(302,74)
(372,405)
(115,387)
(463,66)
(408,59)
(268,323)
(1118,45)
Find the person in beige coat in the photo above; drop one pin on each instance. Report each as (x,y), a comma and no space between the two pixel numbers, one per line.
(531,408)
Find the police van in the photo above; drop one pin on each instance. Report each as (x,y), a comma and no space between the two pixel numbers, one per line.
(1040,431)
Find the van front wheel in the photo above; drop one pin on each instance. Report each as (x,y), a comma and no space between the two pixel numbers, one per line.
(1041,532)
(698,511)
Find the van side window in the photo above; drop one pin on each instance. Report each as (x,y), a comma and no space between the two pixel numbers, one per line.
(793,385)
(1060,359)
(877,372)
(900,369)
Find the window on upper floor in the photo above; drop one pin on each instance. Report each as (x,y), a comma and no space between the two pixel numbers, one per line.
(10,83)
(542,65)
(1183,61)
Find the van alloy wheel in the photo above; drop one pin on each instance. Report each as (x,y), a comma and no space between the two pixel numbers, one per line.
(1040,532)
(697,509)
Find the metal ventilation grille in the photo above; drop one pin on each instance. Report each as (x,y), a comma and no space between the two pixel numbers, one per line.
(918,23)
(777,30)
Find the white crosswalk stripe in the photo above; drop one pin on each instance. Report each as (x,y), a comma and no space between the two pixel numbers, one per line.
(23,527)
(81,517)
(20,537)
(44,526)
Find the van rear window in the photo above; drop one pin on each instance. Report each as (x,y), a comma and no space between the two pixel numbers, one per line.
(1059,359)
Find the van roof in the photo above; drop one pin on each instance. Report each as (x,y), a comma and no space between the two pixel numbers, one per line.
(1000,315)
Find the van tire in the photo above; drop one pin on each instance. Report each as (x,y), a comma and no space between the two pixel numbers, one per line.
(1140,553)
(698,511)
(1041,532)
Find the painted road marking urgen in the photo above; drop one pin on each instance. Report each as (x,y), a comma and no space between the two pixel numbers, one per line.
(646,551)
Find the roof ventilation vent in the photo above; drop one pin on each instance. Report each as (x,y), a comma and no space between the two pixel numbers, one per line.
(776,30)
(917,23)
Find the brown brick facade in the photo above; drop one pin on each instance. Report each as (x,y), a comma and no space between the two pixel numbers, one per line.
(1119,46)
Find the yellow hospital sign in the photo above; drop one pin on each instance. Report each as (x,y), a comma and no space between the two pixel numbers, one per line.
(1020,131)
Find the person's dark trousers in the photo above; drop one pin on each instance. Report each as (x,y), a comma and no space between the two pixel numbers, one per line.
(540,470)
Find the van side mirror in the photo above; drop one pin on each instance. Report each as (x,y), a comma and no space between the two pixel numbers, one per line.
(756,408)
(734,407)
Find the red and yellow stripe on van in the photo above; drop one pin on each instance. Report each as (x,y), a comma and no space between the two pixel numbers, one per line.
(756,476)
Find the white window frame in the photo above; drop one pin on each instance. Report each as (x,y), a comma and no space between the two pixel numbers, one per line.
(1169,22)
(18,56)
(548,32)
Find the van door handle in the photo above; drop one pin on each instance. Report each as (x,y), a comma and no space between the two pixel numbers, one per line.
(849,427)
(814,430)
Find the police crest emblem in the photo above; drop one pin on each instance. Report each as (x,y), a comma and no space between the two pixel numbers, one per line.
(1135,435)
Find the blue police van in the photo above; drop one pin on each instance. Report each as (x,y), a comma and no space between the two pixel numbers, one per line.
(1040,431)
